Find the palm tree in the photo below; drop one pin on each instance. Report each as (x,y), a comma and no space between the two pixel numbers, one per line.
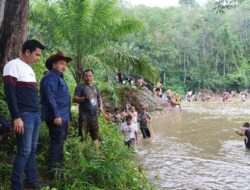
(88,30)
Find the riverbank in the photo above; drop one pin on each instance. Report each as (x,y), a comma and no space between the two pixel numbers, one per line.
(84,167)
(136,96)
(112,167)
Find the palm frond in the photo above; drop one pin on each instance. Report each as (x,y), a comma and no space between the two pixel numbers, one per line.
(127,26)
(118,57)
(105,12)
(86,30)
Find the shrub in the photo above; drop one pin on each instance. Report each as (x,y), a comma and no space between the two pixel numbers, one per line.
(114,166)
(111,167)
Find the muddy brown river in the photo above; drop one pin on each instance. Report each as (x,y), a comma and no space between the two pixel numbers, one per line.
(197,148)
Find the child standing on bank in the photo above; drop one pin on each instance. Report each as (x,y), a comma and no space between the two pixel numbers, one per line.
(129,130)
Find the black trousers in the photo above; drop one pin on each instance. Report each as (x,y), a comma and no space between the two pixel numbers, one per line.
(57,136)
(145,132)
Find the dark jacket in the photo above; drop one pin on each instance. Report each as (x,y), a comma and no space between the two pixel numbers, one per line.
(55,97)
(247,141)
(86,107)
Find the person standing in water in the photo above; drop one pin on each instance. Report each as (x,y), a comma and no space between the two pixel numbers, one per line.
(134,114)
(129,130)
(144,120)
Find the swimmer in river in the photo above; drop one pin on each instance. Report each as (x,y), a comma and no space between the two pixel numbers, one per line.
(245,131)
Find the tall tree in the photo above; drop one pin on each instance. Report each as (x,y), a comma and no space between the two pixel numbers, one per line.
(88,31)
(194,48)
(13,28)
(2,3)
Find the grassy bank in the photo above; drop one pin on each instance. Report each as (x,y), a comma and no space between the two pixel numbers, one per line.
(112,167)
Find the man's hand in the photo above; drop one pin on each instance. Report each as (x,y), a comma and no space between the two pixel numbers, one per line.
(18,126)
(58,121)
(78,99)
(89,97)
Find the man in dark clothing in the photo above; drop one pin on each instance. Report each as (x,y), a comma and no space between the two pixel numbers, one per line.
(88,97)
(144,119)
(21,95)
(55,107)
(120,76)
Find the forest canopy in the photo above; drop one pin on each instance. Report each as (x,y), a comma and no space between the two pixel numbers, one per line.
(197,47)
(188,47)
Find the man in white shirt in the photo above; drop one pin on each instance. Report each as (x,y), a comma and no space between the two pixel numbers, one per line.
(129,130)
(21,94)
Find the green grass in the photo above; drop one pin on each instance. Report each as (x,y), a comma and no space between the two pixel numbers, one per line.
(113,167)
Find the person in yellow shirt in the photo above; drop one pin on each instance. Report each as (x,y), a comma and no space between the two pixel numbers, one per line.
(178,101)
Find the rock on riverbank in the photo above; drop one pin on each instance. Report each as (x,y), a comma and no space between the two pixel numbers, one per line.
(138,97)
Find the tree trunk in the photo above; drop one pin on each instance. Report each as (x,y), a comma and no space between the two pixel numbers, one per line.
(184,68)
(224,62)
(216,63)
(2,3)
(204,49)
(164,78)
(13,30)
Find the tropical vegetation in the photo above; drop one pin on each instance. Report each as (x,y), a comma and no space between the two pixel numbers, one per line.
(88,31)
(189,47)
(196,47)
(114,166)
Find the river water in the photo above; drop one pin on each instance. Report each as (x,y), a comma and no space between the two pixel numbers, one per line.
(197,148)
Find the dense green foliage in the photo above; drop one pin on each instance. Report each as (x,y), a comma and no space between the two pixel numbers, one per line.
(111,168)
(195,47)
(192,48)
(3,104)
(88,31)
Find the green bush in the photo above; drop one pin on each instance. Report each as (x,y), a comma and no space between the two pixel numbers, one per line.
(113,166)
(3,104)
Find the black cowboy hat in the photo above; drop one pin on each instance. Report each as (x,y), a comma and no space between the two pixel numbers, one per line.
(56,57)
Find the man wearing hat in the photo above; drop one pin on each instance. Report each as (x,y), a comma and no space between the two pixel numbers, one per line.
(55,107)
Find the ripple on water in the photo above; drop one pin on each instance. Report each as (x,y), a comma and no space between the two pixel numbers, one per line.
(173,165)
(198,149)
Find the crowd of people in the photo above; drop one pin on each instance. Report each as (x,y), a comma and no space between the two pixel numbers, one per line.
(128,121)
(209,96)
(173,99)
(21,93)
(55,101)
